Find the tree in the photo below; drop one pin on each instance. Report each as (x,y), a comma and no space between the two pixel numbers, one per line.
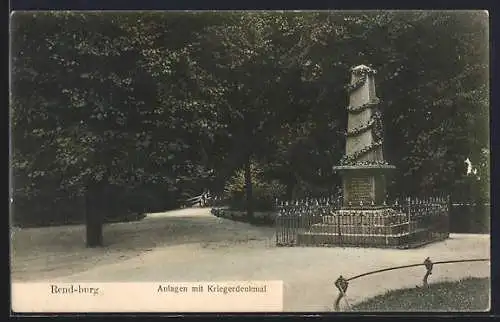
(69,84)
(255,68)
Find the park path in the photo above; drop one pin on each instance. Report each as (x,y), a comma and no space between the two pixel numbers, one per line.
(191,245)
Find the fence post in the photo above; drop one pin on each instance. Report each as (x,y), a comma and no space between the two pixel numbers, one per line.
(338,229)
(408,205)
(341,283)
(276,226)
(428,266)
(447,217)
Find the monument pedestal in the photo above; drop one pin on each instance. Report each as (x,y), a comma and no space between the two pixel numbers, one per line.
(364,186)
(364,219)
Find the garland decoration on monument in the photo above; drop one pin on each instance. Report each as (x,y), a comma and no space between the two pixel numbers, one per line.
(377,131)
(375,122)
(361,129)
(360,82)
(361,108)
(351,159)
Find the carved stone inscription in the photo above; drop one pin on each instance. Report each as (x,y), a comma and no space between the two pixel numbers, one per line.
(359,189)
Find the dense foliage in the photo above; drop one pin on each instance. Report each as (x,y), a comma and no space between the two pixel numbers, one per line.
(141,110)
(265,191)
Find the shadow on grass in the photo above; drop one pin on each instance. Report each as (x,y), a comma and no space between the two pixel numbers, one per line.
(467,295)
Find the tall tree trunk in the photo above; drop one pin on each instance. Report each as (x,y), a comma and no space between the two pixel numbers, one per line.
(94,215)
(249,187)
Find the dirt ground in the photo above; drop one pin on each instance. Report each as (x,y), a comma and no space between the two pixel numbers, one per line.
(191,245)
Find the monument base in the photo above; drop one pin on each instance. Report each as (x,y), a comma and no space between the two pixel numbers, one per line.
(364,185)
(379,227)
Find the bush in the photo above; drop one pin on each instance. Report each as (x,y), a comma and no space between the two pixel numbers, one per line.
(264,192)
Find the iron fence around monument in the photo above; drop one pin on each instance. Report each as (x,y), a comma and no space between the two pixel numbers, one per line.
(417,222)
(298,216)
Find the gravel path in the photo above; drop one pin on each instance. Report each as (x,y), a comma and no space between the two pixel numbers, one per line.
(191,245)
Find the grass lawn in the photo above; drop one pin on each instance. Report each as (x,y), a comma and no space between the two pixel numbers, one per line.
(470,294)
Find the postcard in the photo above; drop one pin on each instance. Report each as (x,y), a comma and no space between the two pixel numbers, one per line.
(249,161)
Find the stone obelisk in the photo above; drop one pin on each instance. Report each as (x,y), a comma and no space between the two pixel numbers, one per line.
(363,168)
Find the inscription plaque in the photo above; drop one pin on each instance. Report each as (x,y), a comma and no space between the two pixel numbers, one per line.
(359,189)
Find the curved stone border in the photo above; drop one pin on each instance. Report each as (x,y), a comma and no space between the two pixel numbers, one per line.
(260,218)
